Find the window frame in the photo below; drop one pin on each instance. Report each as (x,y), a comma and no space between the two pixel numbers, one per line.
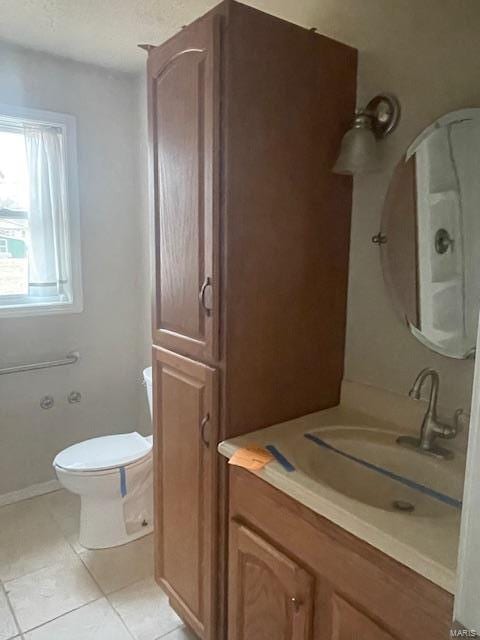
(17,306)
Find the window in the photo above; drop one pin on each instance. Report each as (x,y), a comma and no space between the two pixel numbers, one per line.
(39,220)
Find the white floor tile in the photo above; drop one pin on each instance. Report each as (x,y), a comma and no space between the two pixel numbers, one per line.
(29,539)
(182,633)
(8,627)
(118,567)
(64,506)
(144,608)
(95,621)
(48,593)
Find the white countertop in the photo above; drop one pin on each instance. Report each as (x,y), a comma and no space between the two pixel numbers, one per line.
(427,545)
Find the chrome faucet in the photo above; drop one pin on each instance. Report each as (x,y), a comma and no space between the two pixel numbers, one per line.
(431,426)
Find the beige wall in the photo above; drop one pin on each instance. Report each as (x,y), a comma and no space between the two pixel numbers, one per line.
(146,234)
(427,52)
(107,332)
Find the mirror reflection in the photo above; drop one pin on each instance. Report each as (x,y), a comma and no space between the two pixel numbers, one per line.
(430,228)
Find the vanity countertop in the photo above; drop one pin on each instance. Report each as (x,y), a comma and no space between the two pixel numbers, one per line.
(428,545)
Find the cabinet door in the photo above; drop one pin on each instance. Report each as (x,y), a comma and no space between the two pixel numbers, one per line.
(185,419)
(348,623)
(183,122)
(270,596)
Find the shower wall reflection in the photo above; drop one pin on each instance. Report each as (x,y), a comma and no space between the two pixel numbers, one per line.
(432,226)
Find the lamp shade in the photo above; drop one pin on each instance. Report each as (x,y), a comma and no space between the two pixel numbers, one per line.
(358,151)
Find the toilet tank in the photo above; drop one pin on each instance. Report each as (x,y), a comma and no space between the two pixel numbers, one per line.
(147,376)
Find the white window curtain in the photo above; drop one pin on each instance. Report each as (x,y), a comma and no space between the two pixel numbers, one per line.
(48,222)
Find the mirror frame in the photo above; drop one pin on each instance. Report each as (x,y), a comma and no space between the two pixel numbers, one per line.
(448,118)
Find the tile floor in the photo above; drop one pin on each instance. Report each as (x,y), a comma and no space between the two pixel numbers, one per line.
(51,588)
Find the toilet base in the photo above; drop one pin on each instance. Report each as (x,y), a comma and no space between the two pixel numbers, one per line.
(102,524)
(116,502)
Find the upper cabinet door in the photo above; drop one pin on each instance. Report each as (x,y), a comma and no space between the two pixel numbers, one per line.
(183,76)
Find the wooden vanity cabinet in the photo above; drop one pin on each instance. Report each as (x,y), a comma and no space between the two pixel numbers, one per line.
(246,116)
(294,575)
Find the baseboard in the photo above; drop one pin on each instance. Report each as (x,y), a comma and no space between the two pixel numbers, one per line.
(29,492)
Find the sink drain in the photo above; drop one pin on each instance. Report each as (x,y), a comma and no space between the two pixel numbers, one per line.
(403,505)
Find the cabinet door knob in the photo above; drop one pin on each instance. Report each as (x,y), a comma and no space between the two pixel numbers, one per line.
(206,283)
(296,604)
(203,425)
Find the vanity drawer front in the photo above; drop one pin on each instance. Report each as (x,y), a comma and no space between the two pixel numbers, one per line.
(351,576)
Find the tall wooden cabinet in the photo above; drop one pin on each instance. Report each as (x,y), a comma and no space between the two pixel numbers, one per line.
(246,115)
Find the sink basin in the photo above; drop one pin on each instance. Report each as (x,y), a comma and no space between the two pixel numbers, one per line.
(367,465)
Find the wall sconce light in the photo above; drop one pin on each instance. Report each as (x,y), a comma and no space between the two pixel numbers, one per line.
(359,150)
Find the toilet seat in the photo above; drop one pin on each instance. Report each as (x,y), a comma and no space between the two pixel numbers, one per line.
(104,453)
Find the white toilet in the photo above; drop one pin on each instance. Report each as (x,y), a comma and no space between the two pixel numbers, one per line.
(113,475)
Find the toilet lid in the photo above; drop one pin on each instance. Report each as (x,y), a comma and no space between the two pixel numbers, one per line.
(106,452)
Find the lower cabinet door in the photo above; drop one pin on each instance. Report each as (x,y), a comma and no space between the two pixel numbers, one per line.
(270,595)
(185,427)
(348,623)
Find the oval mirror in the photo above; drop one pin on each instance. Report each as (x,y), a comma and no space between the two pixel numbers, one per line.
(430,234)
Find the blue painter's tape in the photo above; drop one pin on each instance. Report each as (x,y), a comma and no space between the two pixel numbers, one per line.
(280,458)
(123,482)
(452,502)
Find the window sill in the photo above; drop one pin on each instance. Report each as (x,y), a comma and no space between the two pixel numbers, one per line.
(39,309)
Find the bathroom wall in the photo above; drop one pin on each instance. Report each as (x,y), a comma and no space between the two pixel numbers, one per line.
(108,333)
(428,54)
(146,235)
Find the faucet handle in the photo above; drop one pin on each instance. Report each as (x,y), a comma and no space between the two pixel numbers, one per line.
(461,419)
